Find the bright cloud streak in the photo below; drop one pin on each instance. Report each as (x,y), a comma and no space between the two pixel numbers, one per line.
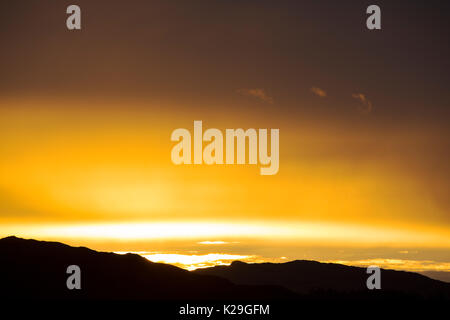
(216,242)
(306,231)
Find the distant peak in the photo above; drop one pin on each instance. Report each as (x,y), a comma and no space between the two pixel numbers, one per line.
(238,263)
(11,238)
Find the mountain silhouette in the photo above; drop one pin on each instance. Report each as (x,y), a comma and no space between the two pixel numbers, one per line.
(32,269)
(312,277)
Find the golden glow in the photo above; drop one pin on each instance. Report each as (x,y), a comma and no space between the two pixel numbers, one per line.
(294,231)
(207,242)
(78,174)
(196,261)
(77,164)
(193,261)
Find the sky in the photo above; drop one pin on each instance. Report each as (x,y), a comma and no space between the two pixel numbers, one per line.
(86,118)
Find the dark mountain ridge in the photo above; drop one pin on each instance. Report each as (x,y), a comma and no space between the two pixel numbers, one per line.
(32,269)
(308,277)
(37,269)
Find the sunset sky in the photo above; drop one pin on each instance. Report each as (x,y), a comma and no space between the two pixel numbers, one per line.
(86,118)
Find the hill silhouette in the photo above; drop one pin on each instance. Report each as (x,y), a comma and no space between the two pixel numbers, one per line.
(37,269)
(32,269)
(312,277)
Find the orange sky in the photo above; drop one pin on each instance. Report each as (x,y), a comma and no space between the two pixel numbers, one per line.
(110,165)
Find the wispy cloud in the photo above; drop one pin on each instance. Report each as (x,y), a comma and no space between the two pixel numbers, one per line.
(319,92)
(365,106)
(216,242)
(259,94)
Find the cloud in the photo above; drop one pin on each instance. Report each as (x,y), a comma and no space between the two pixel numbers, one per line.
(256,93)
(318,92)
(365,105)
(217,242)
(213,242)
